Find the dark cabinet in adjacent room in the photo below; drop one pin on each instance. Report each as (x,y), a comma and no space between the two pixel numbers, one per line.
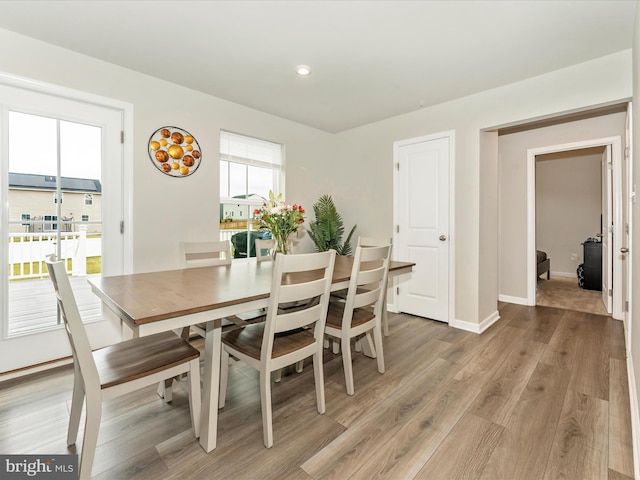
(592,266)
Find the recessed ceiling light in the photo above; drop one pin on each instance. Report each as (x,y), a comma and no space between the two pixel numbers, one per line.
(303,70)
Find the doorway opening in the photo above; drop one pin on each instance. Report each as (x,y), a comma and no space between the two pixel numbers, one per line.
(569,229)
(604,219)
(517,257)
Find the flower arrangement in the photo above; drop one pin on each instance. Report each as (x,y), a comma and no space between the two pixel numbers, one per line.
(281,219)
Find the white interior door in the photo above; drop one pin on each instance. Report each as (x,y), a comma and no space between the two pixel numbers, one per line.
(625,249)
(607,227)
(61,193)
(423,225)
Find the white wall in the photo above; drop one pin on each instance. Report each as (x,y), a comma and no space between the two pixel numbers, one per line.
(369,149)
(513,189)
(568,207)
(167,210)
(355,167)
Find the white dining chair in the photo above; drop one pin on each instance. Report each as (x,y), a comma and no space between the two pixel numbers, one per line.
(287,336)
(118,369)
(342,294)
(263,248)
(205,254)
(263,252)
(379,242)
(360,314)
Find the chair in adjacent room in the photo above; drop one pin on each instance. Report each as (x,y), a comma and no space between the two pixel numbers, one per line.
(288,335)
(360,314)
(118,369)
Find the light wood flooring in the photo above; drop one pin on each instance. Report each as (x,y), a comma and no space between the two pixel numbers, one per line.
(564,292)
(542,394)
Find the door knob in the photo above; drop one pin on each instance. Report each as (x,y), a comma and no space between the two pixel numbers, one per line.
(443,238)
(624,250)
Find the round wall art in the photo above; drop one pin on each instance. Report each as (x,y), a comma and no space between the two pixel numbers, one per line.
(174,151)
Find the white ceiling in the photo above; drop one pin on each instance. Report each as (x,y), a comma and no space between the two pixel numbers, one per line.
(370,60)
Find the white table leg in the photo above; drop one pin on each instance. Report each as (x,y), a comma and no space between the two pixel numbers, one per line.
(211,386)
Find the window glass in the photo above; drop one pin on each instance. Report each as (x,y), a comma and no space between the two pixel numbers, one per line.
(249,169)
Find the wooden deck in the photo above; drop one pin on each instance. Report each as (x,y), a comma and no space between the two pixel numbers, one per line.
(32,303)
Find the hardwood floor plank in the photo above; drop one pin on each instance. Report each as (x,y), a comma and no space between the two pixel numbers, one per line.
(379,426)
(146,464)
(580,445)
(613,475)
(501,393)
(400,372)
(591,372)
(465,451)
(566,341)
(617,344)
(482,367)
(526,441)
(539,322)
(418,420)
(620,437)
(420,437)
(470,346)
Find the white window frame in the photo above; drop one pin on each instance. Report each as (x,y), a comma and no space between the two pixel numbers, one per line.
(250,151)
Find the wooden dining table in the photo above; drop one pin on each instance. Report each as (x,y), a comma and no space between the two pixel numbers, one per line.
(156,302)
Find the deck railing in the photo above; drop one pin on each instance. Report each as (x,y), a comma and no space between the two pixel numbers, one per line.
(27,252)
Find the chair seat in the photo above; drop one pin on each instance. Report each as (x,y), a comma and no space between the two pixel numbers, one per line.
(140,357)
(248,341)
(336,311)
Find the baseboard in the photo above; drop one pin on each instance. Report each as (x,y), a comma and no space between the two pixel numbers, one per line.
(477,327)
(635,416)
(516,300)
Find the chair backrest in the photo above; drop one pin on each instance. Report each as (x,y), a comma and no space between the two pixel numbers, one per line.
(205,254)
(80,346)
(297,278)
(263,249)
(374,242)
(370,270)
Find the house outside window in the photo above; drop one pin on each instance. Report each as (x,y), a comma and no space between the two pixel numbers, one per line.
(48,225)
(88,199)
(249,168)
(85,218)
(25,217)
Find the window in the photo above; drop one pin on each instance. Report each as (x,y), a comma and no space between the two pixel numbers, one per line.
(25,217)
(49,227)
(88,198)
(85,218)
(249,168)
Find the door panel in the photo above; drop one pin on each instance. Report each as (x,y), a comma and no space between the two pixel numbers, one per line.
(56,151)
(607,230)
(422,196)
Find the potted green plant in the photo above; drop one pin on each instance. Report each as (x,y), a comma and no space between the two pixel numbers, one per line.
(327,229)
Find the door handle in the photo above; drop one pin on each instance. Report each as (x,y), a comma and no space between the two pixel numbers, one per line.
(624,250)
(442,238)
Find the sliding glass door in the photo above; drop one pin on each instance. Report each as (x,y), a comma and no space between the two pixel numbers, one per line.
(62,193)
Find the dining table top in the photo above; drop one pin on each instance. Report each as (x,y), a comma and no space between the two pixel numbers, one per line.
(142,298)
